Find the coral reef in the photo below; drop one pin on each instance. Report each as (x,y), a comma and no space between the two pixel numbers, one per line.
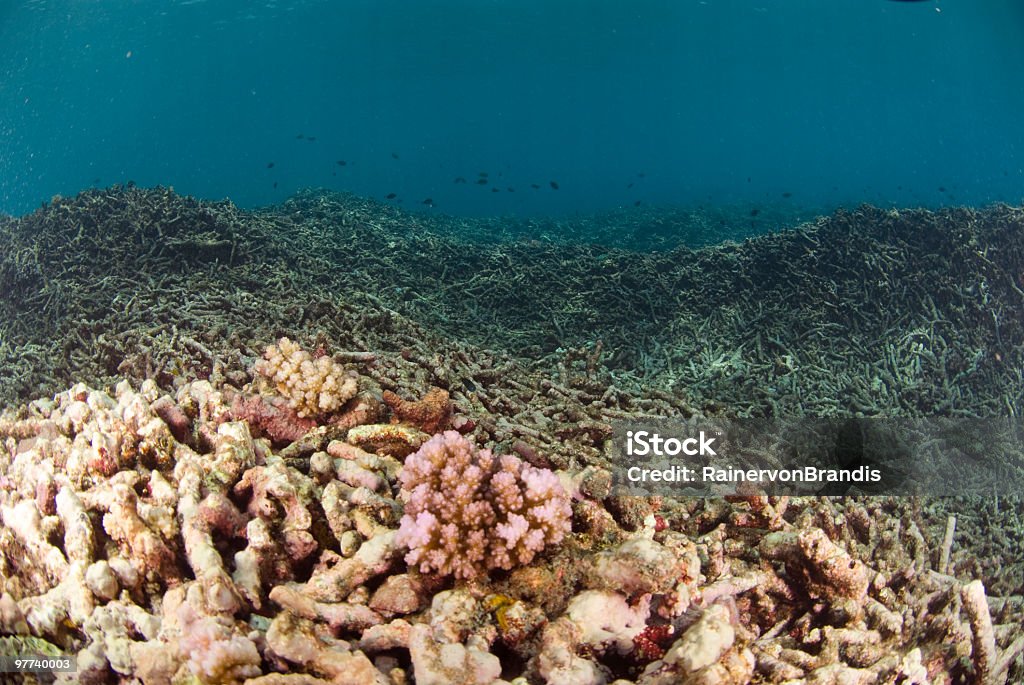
(468,511)
(225,563)
(188,524)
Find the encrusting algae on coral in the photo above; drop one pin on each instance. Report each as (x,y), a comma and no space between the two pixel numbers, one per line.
(172,538)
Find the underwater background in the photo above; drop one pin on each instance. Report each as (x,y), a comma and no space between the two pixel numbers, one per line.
(322,323)
(680,102)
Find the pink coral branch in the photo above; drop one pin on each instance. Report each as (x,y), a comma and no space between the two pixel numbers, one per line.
(469,511)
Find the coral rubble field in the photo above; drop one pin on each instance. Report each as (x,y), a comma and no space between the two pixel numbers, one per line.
(333,442)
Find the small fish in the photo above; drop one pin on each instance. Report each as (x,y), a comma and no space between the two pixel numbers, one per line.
(394,155)
(554,185)
(755,212)
(942,189)
(481,181)
(629,185)
(429,202)
(341,162)
(510,189)
(637,203)
(748,179)
(495,190)
(270,165)
(300,136)
(311,138)
(641,175)
(460,180)
(482,174)
(391,196)
(275,185)
(535,186)
(787,194)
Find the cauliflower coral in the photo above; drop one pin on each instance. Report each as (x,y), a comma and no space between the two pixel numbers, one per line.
(313,386)
(469,511)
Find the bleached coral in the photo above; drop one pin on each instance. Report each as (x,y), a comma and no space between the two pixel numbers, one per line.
(313,386)
(470,511)
(436,663)
(132,570)
(214,649)
(607,620)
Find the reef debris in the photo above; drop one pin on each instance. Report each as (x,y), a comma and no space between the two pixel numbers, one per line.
(221,561)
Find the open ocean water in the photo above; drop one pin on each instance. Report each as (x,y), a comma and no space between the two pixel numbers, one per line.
(734,290)
(901,104)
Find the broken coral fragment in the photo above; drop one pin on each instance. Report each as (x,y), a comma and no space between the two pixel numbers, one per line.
(607,620)
(431,414)
(823,568)
(704,642)
(436,663)
(389,439)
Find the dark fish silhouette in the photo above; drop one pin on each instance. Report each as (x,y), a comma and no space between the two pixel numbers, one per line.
(460,180)
(787,195)
(394,155)
(481,181)
(755,212)
(270,165)
(637,203)
(942,189)
(535,186)
(311,138)
(341,162)
(482,174)
(391,196)
(300,136)
(554,185)
(629,185)
(495,190)
(429,202)
(275,184)
(510,189)
(641,174)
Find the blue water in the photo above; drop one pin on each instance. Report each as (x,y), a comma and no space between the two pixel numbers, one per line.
(686,101)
